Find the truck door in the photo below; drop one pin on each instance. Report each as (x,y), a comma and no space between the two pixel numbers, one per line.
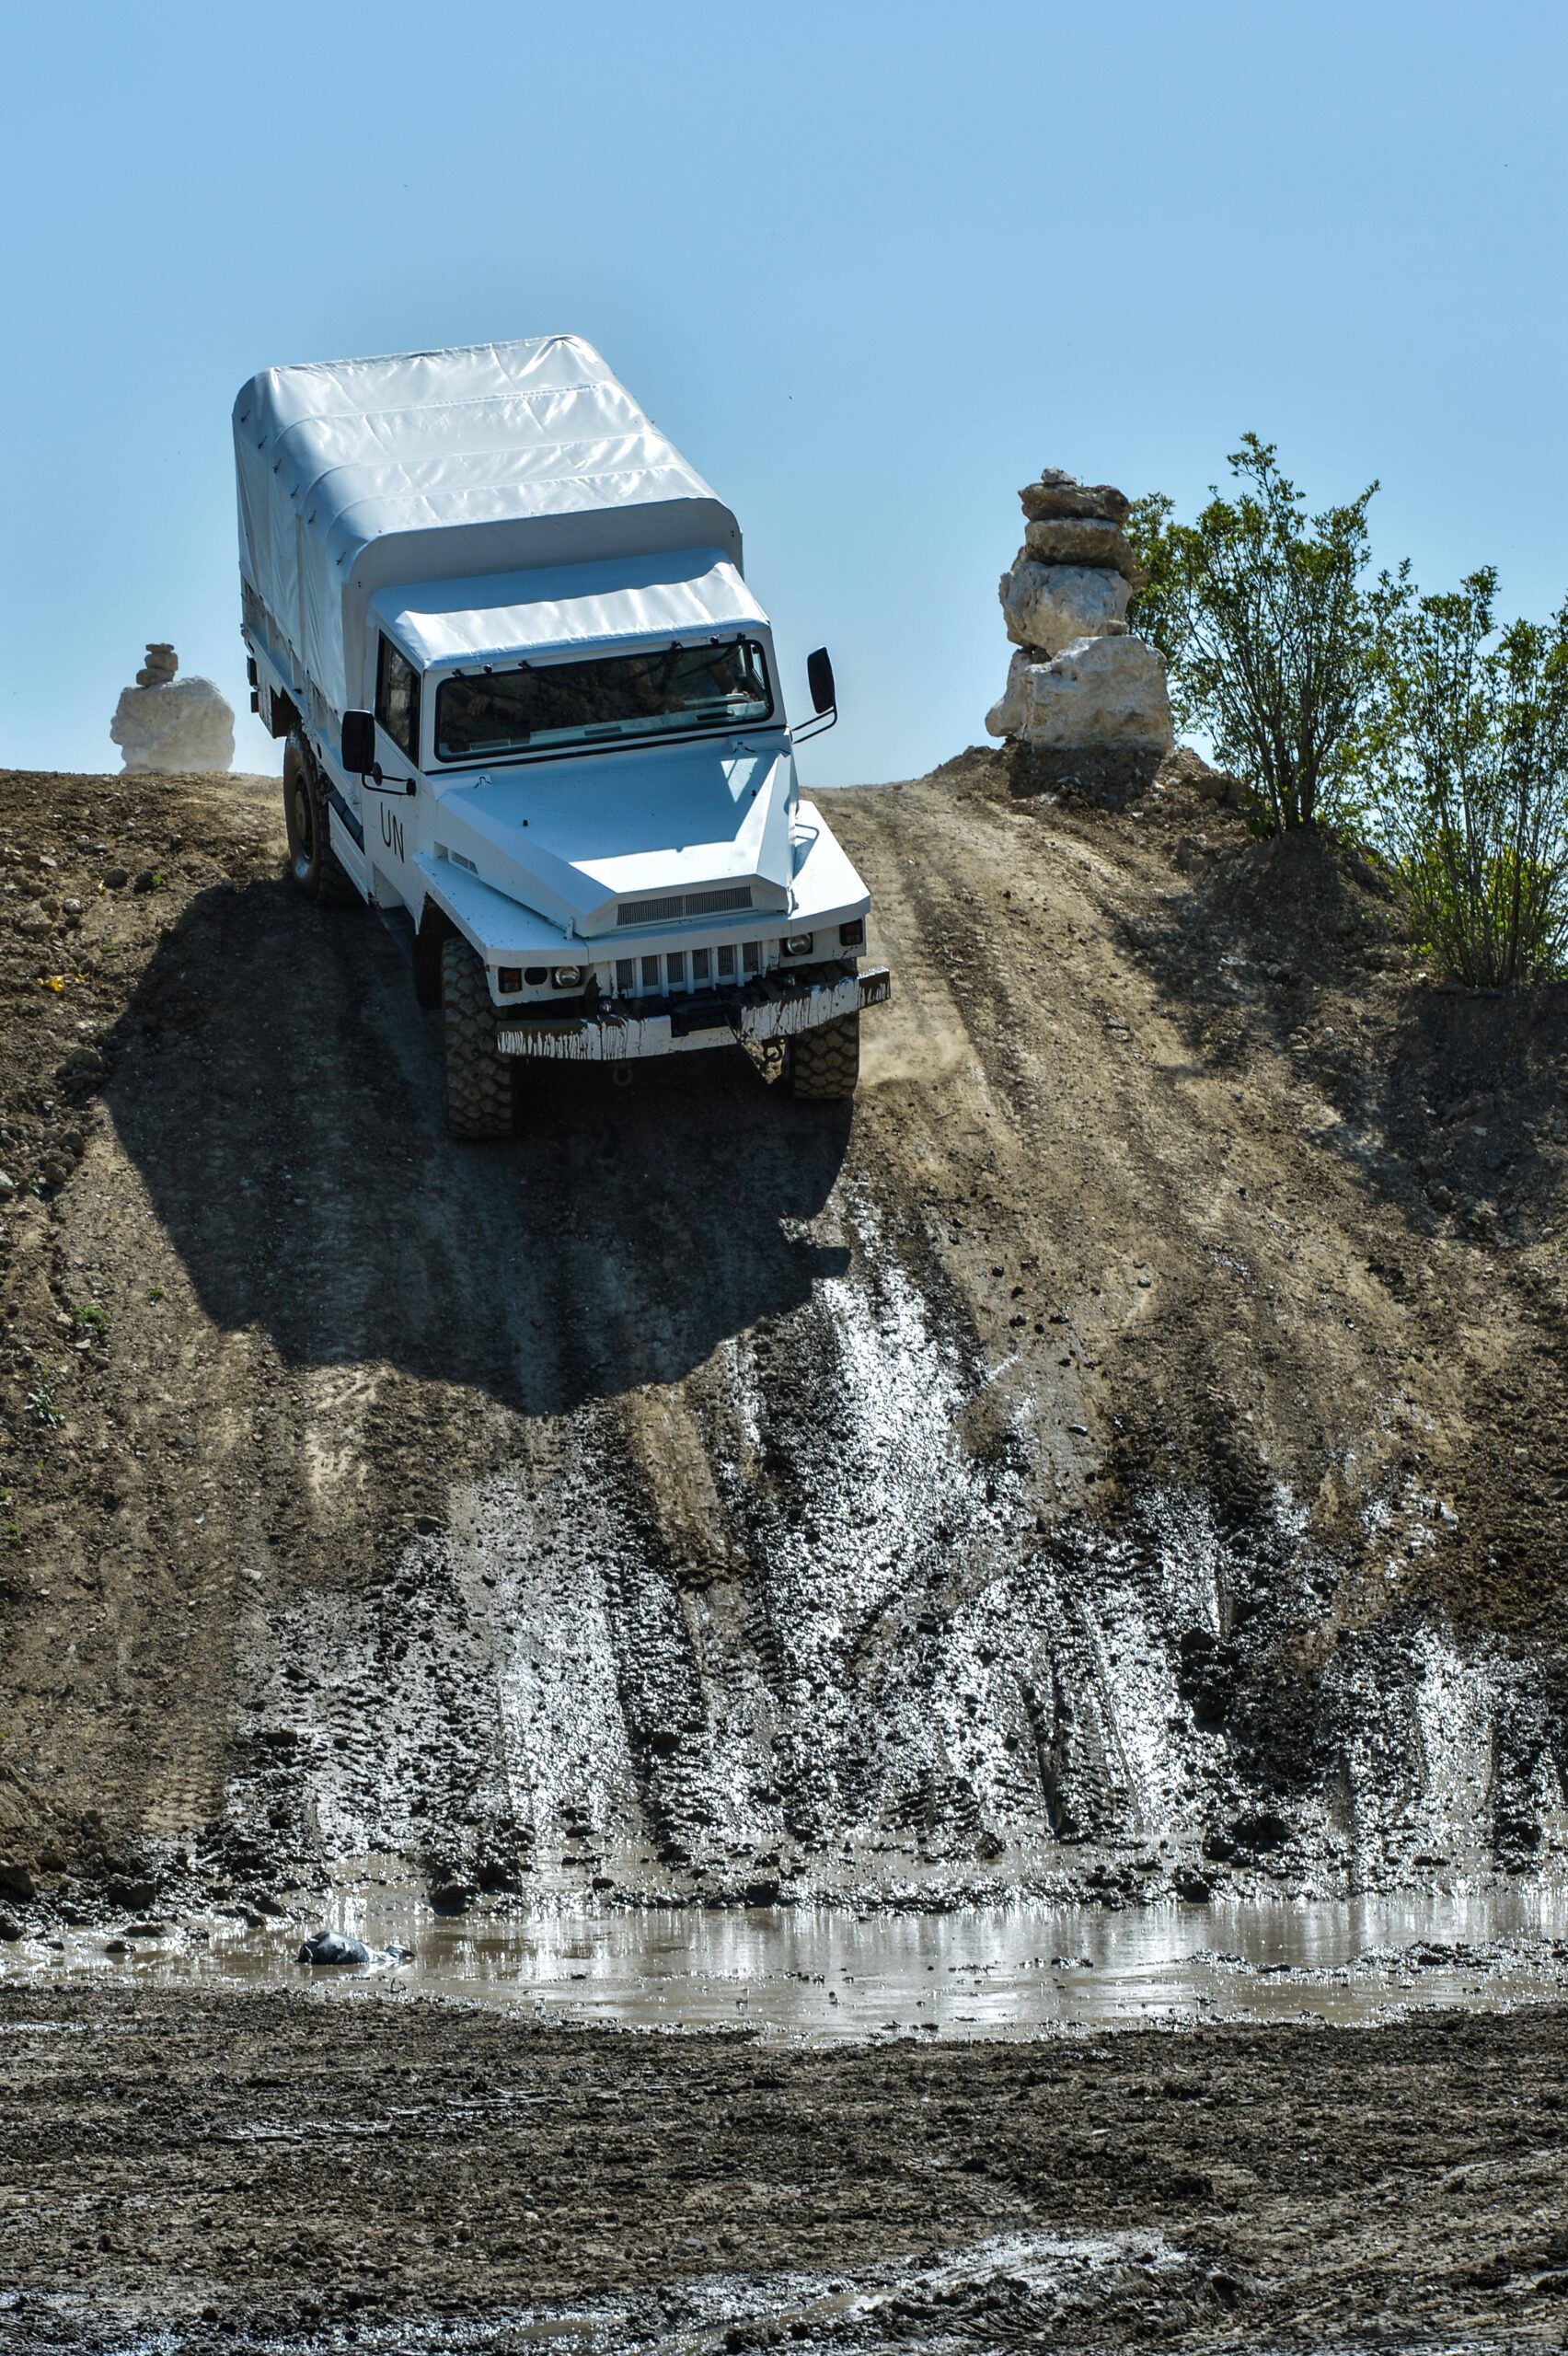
(391,830)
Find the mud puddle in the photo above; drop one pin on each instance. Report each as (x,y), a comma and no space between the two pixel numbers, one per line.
(815,1975)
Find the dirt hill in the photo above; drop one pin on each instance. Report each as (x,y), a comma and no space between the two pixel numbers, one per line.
(1127,1452)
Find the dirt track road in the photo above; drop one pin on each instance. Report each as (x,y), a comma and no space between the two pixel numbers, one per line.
(1132,1446)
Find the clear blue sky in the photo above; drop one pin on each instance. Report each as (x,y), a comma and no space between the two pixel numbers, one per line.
(871,266)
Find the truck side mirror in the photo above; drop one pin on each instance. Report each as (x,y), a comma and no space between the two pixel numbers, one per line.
(824,698)
(819,679)
(359,742)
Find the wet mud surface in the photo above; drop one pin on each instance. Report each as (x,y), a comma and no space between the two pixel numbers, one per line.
(1124,1457)
(278,2172)
(813,1975)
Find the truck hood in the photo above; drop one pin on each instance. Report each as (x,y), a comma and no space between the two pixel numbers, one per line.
(579,839)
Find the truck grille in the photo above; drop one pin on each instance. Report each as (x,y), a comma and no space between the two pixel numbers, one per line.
(681,969)
(684,904)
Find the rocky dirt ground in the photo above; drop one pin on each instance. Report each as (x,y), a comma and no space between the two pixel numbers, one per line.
(1126,1453)
(271,2172)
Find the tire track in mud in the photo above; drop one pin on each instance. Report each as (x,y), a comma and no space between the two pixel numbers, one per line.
(785,1630)
(262,2172)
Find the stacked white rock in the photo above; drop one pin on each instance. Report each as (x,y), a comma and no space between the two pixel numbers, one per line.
(165,725)
(1078,682)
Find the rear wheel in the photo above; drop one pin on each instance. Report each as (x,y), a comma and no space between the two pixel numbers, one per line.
(313,863)
(478,1080)
(824,1063)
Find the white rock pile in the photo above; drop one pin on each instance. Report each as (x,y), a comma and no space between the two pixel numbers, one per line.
(1078,681)
(165,724)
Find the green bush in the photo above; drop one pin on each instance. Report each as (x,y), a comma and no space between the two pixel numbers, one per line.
(1468,754)
(1339,697)
(1270,633)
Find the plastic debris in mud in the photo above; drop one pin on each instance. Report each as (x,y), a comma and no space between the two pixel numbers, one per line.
(333,1947)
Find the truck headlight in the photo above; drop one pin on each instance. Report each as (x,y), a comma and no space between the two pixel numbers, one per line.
(568,977)
(799,944)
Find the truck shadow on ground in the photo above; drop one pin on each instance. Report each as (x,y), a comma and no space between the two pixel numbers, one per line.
(280,1093)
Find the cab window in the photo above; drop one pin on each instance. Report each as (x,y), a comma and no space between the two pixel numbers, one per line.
(398,699)
(667,690)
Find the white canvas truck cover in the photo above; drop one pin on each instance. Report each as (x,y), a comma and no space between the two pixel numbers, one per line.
(363,475)
(685,592)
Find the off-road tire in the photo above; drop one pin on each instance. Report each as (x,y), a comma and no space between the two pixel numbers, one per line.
(825,1063)
(478,1081)
(313,863)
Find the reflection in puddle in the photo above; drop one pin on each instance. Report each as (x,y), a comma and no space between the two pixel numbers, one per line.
(821,1973)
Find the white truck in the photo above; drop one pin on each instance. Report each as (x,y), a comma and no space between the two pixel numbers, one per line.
(533,715)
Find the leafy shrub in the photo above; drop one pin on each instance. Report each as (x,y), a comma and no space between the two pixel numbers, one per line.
(1269,632)
(1469,754)
(1412,720)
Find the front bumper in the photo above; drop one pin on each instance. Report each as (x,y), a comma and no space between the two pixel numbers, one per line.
(773,1009)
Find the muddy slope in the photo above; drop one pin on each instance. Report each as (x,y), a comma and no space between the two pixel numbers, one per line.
(267,2172)
(1130,1449)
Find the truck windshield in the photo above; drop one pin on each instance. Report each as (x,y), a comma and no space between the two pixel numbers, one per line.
(669,690)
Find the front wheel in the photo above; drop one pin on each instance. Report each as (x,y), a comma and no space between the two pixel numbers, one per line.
(313,863)
(478,1080)
(824,1063)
